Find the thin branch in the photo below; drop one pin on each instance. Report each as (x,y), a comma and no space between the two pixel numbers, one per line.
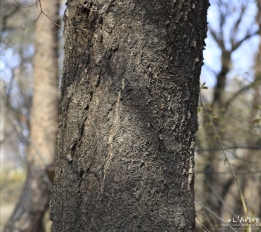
(41,12)
(230,148)
(10,86)
(237,172)
(236,25)
(215,215)
(243,89)
(206,217)
(24,27)
(219,198)
(223,18)
(215,36)
(40,4)
(246,37)
(206,66)
(202,225)
(25,6)
(213,218)
(19,130)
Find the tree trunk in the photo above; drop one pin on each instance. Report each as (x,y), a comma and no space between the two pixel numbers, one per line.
(253,157)
(128,116)
(35,195)
(218,102)
(213,161)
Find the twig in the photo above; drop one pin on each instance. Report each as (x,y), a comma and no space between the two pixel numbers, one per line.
(40,4)
(205,228)
(25,6)
(41,12)
(207,215)
(238,172)
(245,88)
(215,215)
(230,148)
(24,27)
(219,198)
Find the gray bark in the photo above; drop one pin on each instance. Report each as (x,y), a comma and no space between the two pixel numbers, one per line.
(128,116)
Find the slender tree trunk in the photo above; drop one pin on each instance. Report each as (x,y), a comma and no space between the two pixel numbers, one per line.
(34,198)
(219,99)
(213,161)
(129,116)
(253,157)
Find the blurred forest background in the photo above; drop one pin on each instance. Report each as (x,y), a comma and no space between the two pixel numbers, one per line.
(228,164)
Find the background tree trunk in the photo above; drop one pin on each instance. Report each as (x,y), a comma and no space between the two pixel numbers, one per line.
(216,187)
(129,116)
(34,198)
(252,157)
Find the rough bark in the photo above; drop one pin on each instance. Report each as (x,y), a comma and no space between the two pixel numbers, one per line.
(35,195)
(128,116)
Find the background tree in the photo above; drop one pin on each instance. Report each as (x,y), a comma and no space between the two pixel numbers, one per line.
(233,110)
(128,117)
(15,73)
(34,199)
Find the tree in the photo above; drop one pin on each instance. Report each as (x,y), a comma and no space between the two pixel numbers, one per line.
(128,117)
(254,119)
(34,199)
(228,123)
(227,47)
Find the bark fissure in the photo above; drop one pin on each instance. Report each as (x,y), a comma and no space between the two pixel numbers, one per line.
(112,135)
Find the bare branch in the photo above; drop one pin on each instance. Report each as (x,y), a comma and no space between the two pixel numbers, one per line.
(219,40)
(220,199)
(230,148)
(25,6)
(24,27)
(247,172)
(223,12)
(246,37)
(41,12)
(201,225)
(243,89)
(40,4)
(236,25)
(215,215)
